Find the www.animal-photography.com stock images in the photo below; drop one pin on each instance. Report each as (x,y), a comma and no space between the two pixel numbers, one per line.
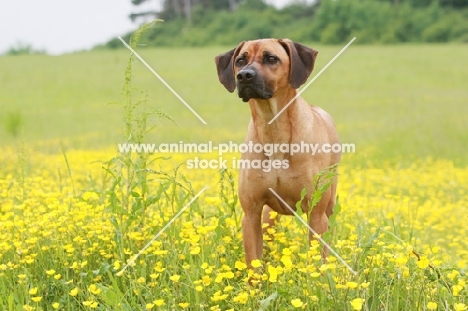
(227,155)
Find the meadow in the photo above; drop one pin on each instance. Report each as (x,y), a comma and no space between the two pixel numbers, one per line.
(73,211)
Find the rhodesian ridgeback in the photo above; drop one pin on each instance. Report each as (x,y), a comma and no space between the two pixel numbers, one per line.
(267,74)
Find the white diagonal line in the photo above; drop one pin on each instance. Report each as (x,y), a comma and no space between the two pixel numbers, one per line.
(315,233)
(160,232)
(311,81)
(162,80)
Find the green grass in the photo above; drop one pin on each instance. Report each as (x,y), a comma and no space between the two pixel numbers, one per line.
(401,102)
(68,226)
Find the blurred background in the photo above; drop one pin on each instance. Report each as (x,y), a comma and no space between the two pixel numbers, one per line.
(398,92)
(54,26)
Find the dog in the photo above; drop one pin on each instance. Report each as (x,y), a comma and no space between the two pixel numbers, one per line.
(267,73)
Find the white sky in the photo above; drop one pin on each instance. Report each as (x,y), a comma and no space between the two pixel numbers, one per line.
(60,26)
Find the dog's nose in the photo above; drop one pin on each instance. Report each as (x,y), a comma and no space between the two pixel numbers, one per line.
(246,75)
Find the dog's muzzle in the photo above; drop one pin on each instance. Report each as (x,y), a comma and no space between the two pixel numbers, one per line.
(251,85)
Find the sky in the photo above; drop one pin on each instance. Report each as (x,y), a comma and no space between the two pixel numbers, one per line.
(62,26)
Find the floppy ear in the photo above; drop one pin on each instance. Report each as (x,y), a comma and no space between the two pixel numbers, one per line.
(302,60)
(225,67)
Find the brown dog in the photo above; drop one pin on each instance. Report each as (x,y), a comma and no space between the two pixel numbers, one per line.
(268,72)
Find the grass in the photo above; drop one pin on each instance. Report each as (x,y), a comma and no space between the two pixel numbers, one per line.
(68,226)
(400,101)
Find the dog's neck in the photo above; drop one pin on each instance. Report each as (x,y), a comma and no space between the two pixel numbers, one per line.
(264,110)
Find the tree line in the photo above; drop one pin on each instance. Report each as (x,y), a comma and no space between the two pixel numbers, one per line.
(226,22)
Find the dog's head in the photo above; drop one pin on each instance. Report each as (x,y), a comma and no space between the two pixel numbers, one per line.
(260,68)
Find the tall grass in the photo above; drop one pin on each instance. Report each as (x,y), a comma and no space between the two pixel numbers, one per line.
(129,173)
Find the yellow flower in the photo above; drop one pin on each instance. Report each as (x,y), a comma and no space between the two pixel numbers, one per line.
(240,265)
(74,292)
(459,307)
(432,306)
(90,196)
(423,262)
(195,250)
(159,302)
(218,297)
(242,298)
(36,299)
(175,278)
(206,280)
(401,260)
(273,272)
(357,303)
(117,265)
(56,305)
(94,289)
(351,285)
(50,272)
(452,275)
(457,289)
(184,305)
(57,276)
(33,291)
(256,263)
(273,214)
(297,303)
(364,285)
(286,260)
(149,306)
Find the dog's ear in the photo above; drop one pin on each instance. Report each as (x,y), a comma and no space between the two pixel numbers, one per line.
(302,60)
(225,67)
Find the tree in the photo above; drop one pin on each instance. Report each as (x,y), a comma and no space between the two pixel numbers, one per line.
(172,9)
(134,16)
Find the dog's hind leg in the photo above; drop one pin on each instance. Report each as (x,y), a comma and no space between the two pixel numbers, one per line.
(252,237)
(318,219)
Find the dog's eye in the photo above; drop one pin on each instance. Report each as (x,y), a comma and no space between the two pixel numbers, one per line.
(272,60)
(240,62)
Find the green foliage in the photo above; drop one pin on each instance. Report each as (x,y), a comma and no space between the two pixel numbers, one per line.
(130,174)
(320,184)
(228,196)
(330,22)
(23,49)
(13,123)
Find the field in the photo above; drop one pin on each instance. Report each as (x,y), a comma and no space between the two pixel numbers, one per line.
(73,211)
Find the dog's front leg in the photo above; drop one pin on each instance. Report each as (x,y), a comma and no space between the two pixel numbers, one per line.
(252,237)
